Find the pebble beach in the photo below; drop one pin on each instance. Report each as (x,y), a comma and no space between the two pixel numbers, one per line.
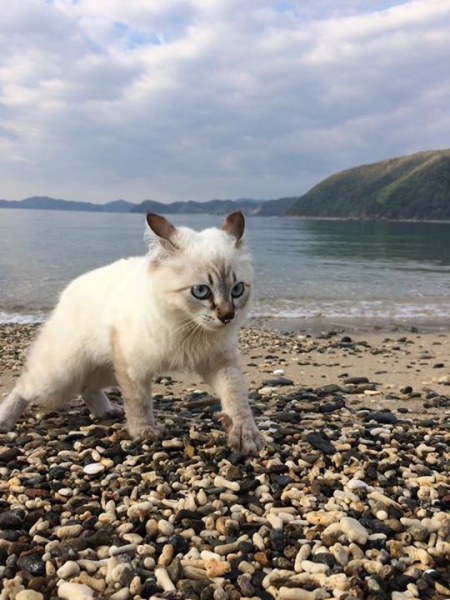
(349,499)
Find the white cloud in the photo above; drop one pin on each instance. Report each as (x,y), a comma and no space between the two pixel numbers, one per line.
(101,99)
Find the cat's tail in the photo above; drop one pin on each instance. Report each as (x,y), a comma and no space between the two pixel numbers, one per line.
(10,410)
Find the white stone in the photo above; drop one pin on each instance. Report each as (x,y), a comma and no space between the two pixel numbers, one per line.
(68,570)
(190,503)
(302,555)
(357,484)
(286,517)
(378,431)
(207,555)
(39,526)
(267,390)
(107,518)
(139,510)
(354,531)
(202,498)
(341,554)
(116,550)
(381,515)
(93,469)
(400,596)
(111,564)
(69,531)
(165,527)
(75,591)
(285,593)
(12,587)
(29,595)
(163,580)
(220,481)
(174,443)
(133,538)
(91,566)
(311,567)
(258,541)
(275,521)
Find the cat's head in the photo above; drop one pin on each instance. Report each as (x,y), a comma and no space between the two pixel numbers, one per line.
(205,276)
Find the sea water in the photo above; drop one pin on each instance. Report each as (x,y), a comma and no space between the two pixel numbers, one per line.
(306,269)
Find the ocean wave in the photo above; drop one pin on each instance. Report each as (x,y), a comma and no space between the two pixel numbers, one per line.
(7,318)
(361,310)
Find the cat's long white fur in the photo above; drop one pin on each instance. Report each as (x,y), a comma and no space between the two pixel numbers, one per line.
(136,318)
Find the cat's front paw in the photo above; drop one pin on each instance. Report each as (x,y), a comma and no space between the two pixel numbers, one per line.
(115,412)
(243,436)
(149,433)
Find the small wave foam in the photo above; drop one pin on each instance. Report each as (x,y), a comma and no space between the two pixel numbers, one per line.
(364,310)
(21,318)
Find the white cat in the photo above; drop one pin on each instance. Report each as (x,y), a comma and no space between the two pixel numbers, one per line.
(177,308)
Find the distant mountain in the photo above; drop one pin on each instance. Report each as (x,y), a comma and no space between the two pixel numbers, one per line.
(414,187)
(47,203)
(118,206)
(248,206)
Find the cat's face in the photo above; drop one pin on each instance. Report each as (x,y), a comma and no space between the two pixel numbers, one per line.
(216,293)
(206,277)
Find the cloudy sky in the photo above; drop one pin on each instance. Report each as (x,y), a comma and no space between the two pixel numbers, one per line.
(200,99)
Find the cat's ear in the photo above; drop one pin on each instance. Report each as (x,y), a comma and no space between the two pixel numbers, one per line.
(234,225)
(164,229)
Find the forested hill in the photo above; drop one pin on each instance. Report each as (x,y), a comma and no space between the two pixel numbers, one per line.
(409,187)
(414,187)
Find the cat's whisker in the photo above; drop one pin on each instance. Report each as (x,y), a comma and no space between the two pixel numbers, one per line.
(181,329)
(195,333)
(198,335)
(184,325)
(192,338)
(188,337)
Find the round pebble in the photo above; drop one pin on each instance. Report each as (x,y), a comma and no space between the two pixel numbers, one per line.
(93,468)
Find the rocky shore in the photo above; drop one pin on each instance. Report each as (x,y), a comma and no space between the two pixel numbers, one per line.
(350,498)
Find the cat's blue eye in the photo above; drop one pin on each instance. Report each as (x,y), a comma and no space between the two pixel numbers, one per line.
(201,292)
(238,290)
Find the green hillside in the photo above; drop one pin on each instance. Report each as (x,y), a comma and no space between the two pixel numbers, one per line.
(410,187)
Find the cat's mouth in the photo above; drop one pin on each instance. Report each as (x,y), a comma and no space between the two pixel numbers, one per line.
(214,324)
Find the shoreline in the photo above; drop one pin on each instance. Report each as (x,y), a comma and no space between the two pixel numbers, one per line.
(215,214)
(358,325)
(365,219)
(308,324)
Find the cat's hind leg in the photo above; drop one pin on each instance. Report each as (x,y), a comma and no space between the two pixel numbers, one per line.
(100,405)
(43,384)
(11,409)
(43,393)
